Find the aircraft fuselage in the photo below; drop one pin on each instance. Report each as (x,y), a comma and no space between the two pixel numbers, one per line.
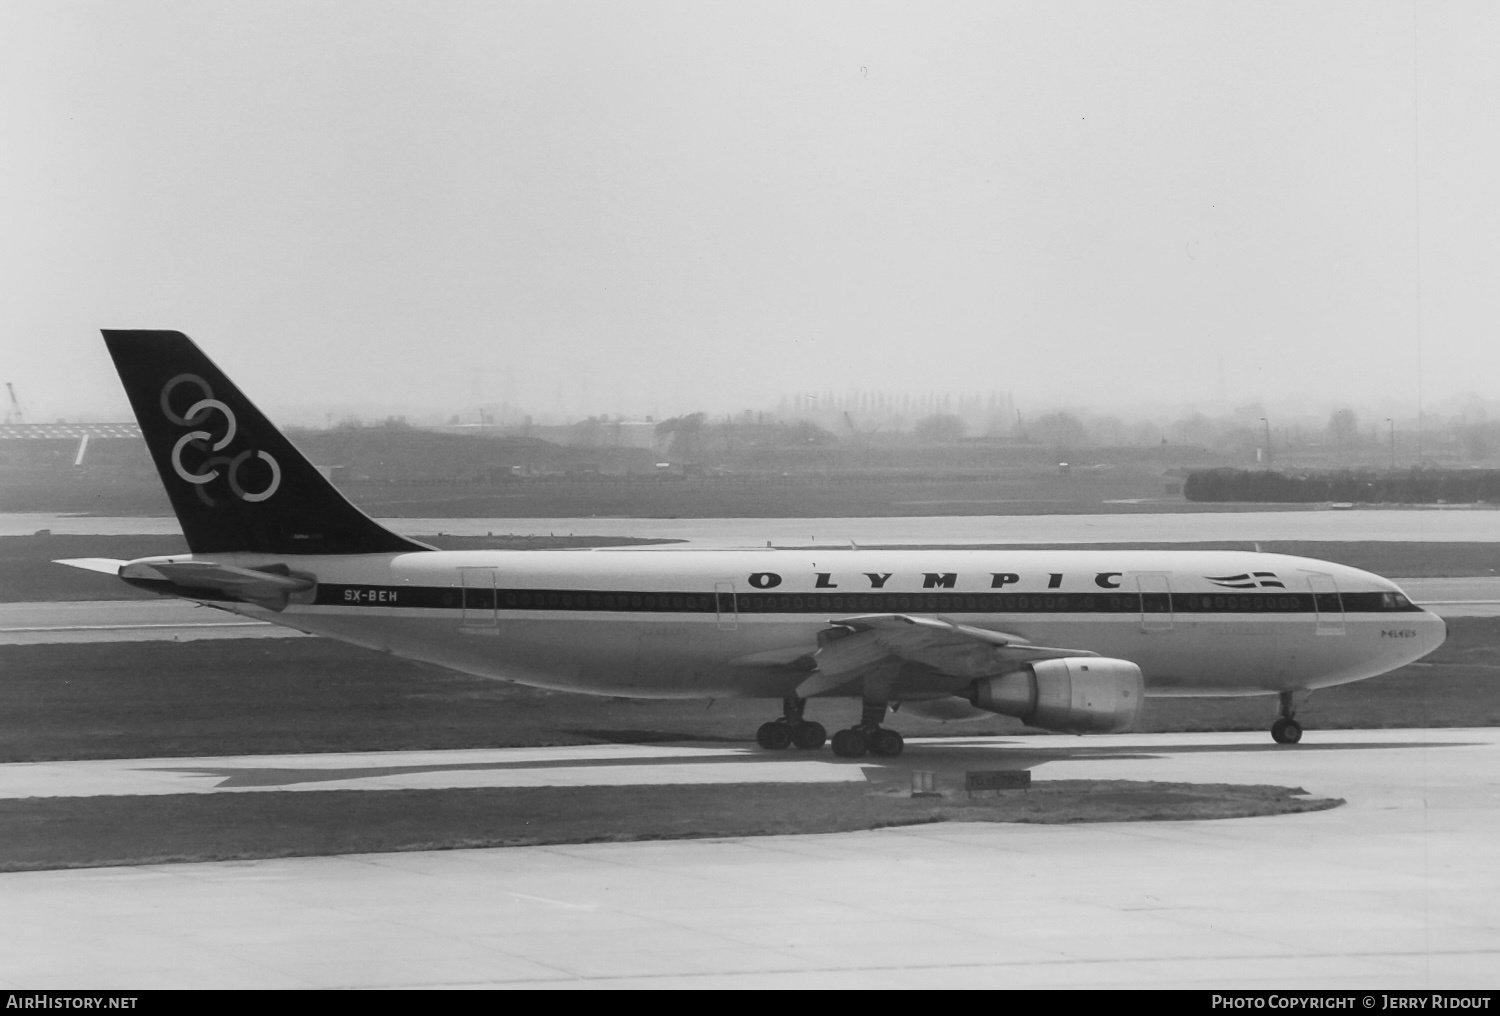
(723,623)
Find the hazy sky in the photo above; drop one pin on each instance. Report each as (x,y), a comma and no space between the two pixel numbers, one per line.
(643,206)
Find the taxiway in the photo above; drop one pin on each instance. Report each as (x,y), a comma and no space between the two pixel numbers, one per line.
(169,620)
(1396,889)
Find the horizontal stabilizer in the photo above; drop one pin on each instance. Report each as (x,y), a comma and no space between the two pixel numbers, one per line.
(209,575)
(103,565)
(270,588)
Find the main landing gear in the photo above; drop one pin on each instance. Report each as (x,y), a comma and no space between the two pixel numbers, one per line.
(869,738)
(791,729)
(1286,730)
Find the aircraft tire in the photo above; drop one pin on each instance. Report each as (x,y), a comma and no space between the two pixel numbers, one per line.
(1286,731)
(809,736)
(850,743)
(774,736)
(886,743)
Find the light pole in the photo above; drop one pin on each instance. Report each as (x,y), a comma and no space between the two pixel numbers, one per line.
(1393,442)
(1268,439)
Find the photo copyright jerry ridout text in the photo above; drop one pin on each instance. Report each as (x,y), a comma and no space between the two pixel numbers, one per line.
(49,1000)
(1315,1001)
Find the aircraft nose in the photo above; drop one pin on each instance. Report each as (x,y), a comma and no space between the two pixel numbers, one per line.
(1437,630)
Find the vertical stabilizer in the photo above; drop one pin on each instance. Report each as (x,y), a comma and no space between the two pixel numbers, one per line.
(234,480)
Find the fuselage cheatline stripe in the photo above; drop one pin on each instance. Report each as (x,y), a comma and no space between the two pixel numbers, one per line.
(636,601)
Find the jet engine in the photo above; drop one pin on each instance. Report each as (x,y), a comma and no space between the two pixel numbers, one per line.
(1074,695)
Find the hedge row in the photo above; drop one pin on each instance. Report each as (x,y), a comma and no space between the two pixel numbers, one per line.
(1415,486)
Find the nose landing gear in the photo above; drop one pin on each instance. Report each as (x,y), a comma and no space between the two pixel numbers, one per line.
(791,729)
(1286,729)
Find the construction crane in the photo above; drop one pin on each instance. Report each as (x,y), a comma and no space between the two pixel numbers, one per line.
(14,414)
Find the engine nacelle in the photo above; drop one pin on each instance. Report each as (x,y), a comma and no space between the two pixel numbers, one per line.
(1074,695)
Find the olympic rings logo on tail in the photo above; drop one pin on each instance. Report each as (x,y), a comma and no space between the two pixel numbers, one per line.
(198,416)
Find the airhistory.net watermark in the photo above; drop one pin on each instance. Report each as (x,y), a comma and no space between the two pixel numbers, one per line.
(47,1000)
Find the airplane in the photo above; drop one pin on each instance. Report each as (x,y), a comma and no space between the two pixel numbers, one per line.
(1069,641)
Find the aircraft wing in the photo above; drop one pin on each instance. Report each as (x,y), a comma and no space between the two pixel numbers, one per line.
(933,632)
(851,647)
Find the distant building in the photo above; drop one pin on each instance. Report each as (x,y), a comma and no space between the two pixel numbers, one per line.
(59,445)
(596,433)
(599,434)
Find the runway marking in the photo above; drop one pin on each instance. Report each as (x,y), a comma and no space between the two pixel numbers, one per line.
(1150,971)
(657,765)
(134,627)
(103,621)
(586,765)
(237,778)
(559,904)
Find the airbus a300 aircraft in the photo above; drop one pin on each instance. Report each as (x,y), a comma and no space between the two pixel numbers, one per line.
(1064,640)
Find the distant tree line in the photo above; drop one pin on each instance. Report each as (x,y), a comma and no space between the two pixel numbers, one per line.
(1414,486)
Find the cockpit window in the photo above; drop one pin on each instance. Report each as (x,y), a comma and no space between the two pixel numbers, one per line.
(1394,601)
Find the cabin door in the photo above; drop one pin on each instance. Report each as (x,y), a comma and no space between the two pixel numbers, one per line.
(480,604)
(1156,602)
(1327,602)
(728,608)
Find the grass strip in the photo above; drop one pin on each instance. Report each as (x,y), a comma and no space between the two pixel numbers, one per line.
(46,833)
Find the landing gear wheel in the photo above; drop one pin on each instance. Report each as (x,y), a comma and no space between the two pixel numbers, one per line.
(886,743)
(809,736)
(850,743)
(1286,731)
(774,736)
